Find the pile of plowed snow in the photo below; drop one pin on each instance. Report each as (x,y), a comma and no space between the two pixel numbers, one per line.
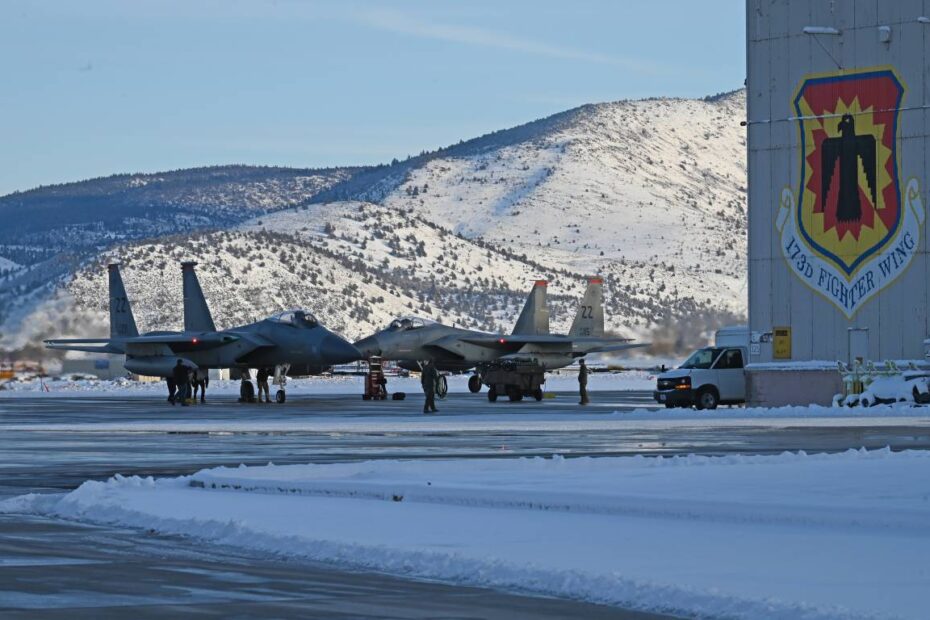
(787,536)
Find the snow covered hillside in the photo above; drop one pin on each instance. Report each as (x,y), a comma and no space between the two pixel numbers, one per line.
(49,232)
(649,194)
(657,184)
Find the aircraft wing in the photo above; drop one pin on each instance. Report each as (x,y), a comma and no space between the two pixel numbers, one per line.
(512,344)
(205,341)
(87,345)
(608,348)
(507,341)
(580,345)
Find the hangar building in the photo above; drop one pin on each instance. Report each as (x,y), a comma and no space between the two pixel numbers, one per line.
(837,96)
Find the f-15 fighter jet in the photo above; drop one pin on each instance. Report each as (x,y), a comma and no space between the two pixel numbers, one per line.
(292,339)
(513,365)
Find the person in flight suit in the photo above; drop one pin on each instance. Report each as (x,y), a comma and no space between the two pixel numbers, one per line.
(262,378)
(428,379)
(181,376)
(583,383)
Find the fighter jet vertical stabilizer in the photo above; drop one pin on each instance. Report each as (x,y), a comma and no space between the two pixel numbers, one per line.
(534,319)
(122,322)
(589,322)
(197,317)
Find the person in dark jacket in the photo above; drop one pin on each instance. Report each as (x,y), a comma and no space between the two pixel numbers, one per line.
(181,378)
(199,380)
(172,388)
(428,378)
(262,379)
(583,382)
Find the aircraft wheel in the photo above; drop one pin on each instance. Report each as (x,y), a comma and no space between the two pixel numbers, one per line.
(538,394)
(492,394)
(474,384)
(442,387)
(246,392)
(280,396)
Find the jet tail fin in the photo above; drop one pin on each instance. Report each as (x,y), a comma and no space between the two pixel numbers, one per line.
(534,319)
(197,317)
(122,322)
(590,318)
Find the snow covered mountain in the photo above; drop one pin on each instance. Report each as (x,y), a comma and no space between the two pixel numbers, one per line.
(650,194)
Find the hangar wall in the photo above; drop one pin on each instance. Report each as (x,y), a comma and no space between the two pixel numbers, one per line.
(844,269)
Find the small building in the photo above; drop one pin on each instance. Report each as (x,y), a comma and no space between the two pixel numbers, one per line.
(837,127)
(108,367)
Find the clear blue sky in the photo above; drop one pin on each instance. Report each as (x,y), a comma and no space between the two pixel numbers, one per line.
(95,87)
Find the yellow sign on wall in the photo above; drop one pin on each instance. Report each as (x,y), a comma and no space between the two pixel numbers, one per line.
(781,347)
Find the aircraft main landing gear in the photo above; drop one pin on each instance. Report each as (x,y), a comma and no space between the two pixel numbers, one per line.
(246,388)
(246,392)
(442,387)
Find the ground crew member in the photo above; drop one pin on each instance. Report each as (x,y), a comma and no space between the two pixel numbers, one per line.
(583,383)
(181,377)
(204,384)
(200,382)
(172,388)
(428,378)
(262,378)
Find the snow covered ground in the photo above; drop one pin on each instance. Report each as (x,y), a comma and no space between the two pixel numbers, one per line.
(788,536)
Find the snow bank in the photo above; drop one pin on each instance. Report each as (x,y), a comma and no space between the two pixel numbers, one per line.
(788,536)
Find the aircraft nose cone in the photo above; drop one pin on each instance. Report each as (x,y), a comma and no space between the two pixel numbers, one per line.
(335,350)
(368,346)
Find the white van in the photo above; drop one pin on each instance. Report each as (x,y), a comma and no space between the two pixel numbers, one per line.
(711,376)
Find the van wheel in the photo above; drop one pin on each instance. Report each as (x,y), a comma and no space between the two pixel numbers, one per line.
(707,399)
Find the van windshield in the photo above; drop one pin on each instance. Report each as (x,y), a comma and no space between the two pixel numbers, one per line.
(702,358)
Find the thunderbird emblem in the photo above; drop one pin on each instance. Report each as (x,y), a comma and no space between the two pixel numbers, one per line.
(847,232)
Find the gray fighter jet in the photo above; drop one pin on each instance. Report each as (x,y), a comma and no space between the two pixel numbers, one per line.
(292,342)
(513,365)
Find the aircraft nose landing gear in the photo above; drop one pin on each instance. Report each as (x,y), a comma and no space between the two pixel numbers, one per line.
(442,387)
(280,380)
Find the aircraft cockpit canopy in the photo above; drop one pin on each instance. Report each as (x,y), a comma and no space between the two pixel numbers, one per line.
(296,318)
(408,322)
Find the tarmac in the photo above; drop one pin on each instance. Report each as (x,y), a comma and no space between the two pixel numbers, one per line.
(52,568)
